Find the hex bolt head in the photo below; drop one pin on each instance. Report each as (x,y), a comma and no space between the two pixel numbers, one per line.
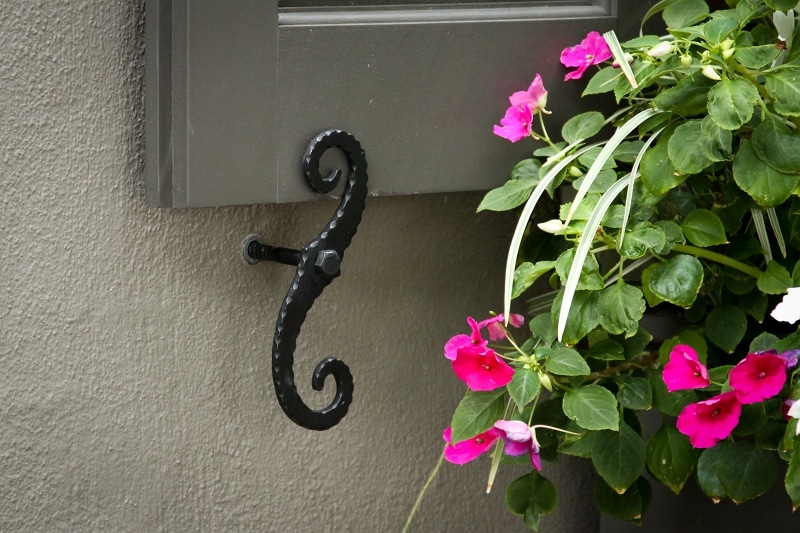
(328,263)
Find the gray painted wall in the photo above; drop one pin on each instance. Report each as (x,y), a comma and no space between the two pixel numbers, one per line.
(135,389)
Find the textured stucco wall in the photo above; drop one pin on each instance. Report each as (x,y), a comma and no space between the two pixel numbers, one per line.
(135,390)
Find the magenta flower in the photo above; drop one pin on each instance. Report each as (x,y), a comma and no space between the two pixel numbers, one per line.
(684,371)
(790,358)
(758,377)
(535,98)
(592,50)
(519,439)
(473,340)
(481,370)
(516,125)
(706,423)
(467,450)
(496,331)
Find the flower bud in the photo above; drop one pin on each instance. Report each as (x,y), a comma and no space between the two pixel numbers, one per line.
(727,44)
(660,50)
(686,61)
(574,171)
(728,53)
(551,226)
(710,73)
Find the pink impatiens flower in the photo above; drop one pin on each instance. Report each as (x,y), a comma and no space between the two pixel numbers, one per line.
(467,450)
(535,98)
(496,331)
(592,50)
(684,371)
(758,377)
(519,439)
(473,340)
(481,371)
(706,423)
(516,125)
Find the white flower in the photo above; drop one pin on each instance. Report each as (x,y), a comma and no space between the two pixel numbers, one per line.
(660,50)
(710,73)
(551,226)
(794,412)
(789,308)
(784,23)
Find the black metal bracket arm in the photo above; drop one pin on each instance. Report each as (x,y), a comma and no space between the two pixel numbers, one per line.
(318,263)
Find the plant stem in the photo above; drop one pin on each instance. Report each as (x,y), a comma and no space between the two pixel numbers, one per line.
(718,258)
(422,492)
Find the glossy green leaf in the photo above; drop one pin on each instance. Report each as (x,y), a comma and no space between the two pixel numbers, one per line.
(643,237)
(510,195)
(619,457)
(682,13)
(531,494)
(781,5)
(526,275)
(715,142)
(620,307)
(606,350)
(764,184)
(592,407)
(777,145)
(630,506)
(677,280)
(567,362)
(582,126)
(669,403)
(685,148)
(658,173)
(717,29)
(524,387)
(634,392)
(582,317)
(590,278)
(671,458)
(726,326)
(730,102)
(703,228)
(745,470)
(688,98)
(756,56)
(784,87)
(542,328)
(476,413)
(707,476)
(775,280)
(603,81)
(792,479)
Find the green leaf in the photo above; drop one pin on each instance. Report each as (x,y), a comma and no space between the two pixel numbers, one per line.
(669,403)
(620,307)
(716,142)
(776,279)
(717,29)
(682,13)
(526,275)
(512,194)
(688,97)
(781,5)
(583,316)
(703,228)
(644,236)
(777,146)
(582,126)
(764,184)
(531,494)
(634,392)
(685,148)
(745,470)
(619,457)
(707,476)
(542,327)
(628,151)
(726,326)
(792,479)
(603,81)
(476,413)
(756,56)
(524,387)
(606,350)
(671,458)
(592,407)
(658,173)
(784,87)
(730,102)
(630,506)
(677,280)
(590,278)
(567,362)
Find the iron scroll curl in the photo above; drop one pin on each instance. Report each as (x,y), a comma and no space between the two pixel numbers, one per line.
(318,265)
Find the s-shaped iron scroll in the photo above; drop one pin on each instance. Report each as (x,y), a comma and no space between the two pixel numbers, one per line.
(317,264)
